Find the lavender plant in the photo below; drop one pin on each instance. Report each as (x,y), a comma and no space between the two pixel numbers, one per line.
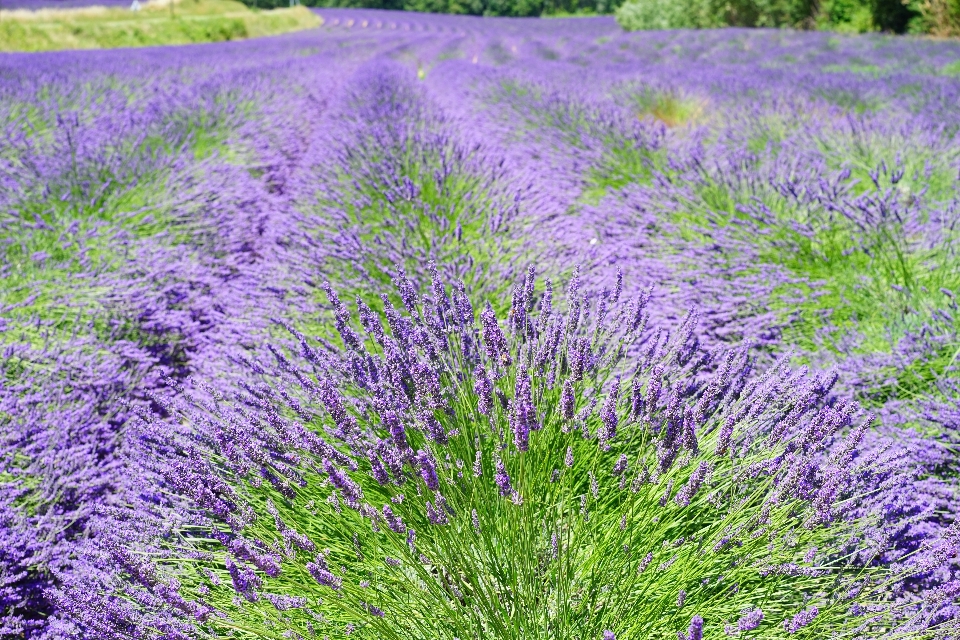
(577,474)
(402,186)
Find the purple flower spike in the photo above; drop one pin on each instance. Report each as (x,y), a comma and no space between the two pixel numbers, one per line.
(800,620)
(245,581)
(436,514)
(523,414)
(351,491)
(462,304)
(502,479)
(695,630)
(636,397)
(567,400)
(428,470)
(397,433)
(377,470)
(393,521)
(494,341)
(608,413)
(723,439)
(318,569)
(370,321)
(484,389)
(653,388)
(750,620)
(620,466)
(690,489)
(342,319)
(408,294)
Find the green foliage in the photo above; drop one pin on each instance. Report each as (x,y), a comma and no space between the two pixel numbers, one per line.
(189,21)
(938,17)
(767,13)
(673,14)
(846,15)
(469,7)
(892,15)
(841,15)
(664,14)
(669,106)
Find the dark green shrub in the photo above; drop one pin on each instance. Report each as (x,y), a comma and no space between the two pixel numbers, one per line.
(892,15)
(940,17)
(767,13)
(470,7)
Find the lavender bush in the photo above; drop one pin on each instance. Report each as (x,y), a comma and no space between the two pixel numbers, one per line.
(452,481)
(205,335)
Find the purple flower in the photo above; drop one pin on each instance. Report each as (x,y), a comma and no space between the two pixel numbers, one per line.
(690,489)
(750,620)
(437,514)
(800,620)
(285,602)
(620,466)
(428,470)
(689,439)
(645,562)
(723,439)
(393,521)
(461,303)
(695,630)
(636,397)
(330,397)
(523,414)
(608,413)
(245,581)
(653,388)
(483,387)
(408,294)
(395,426)
(376,469)
(432,426)
(502,479)
(370,321)
(342,319)
(567,400)
(351,491)
(493,338)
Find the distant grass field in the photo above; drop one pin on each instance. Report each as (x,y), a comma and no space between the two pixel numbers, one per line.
(157,23)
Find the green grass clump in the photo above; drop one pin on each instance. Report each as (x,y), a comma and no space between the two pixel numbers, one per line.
(668,106)
(157,23)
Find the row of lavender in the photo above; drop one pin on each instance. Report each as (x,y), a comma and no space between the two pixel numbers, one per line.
(180,459)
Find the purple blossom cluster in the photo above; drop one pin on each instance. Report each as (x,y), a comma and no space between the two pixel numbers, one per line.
(214,233)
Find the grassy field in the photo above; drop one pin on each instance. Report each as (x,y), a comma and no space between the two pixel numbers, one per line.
(157,23)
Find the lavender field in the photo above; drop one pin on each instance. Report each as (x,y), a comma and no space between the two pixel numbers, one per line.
(420,326)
